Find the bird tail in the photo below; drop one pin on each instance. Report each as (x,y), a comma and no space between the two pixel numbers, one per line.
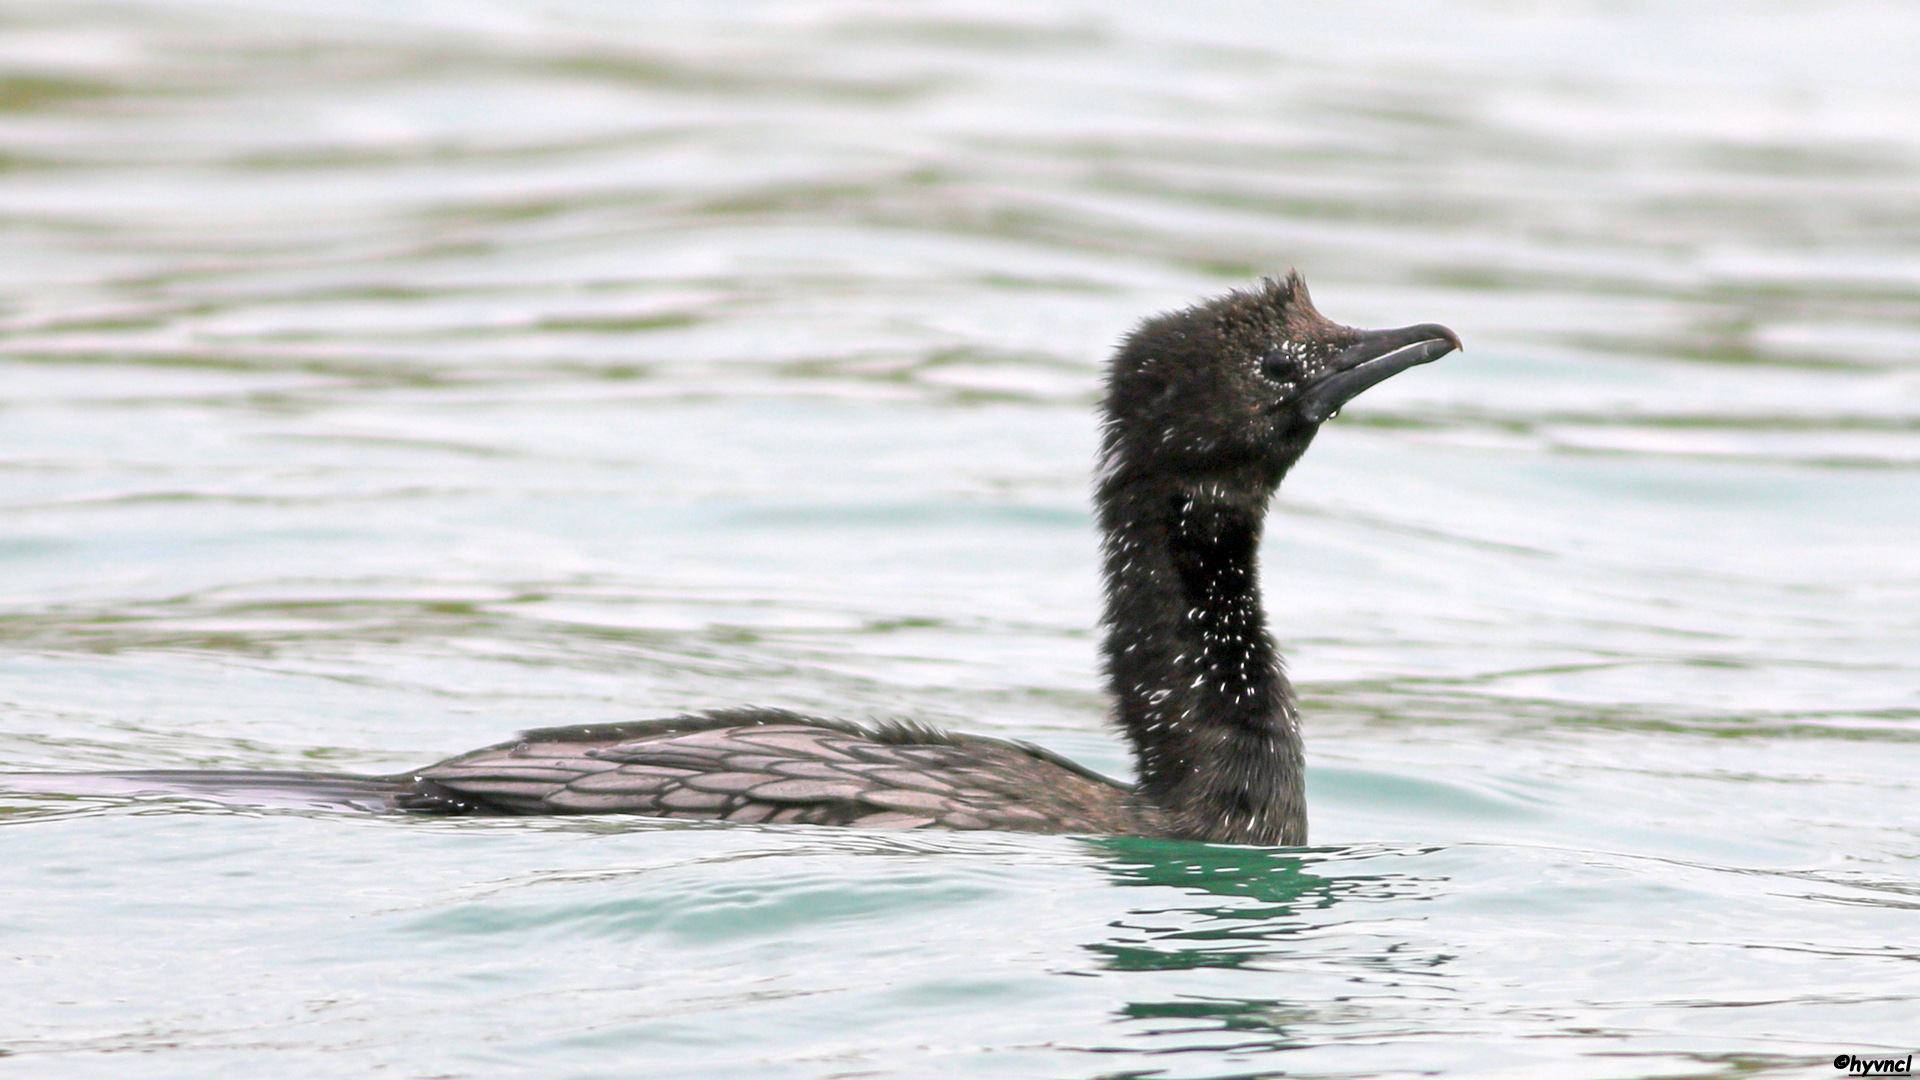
(295,790)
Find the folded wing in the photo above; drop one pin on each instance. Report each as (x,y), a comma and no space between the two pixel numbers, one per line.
(776,767)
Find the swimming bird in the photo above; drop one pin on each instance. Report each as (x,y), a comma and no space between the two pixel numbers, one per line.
(1205,411)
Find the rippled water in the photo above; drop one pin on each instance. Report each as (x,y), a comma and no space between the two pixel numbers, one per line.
(378,379)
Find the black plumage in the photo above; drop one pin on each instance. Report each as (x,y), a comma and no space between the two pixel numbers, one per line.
(1205,410)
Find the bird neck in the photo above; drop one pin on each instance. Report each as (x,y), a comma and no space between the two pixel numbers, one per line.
(1196,680)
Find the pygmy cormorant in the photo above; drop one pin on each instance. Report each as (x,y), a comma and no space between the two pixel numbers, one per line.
(1205,411)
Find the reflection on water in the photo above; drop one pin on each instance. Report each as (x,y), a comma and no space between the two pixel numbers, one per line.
(1268,896)
(376,381)
(1253,910)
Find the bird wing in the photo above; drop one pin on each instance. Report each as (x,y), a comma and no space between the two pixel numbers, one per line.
(782,772)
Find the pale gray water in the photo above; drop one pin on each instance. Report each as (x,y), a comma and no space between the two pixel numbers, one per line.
(377,379)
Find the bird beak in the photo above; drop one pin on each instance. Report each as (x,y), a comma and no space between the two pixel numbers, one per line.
(1374,357)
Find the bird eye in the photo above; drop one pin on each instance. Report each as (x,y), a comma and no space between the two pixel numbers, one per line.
(1278,366)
